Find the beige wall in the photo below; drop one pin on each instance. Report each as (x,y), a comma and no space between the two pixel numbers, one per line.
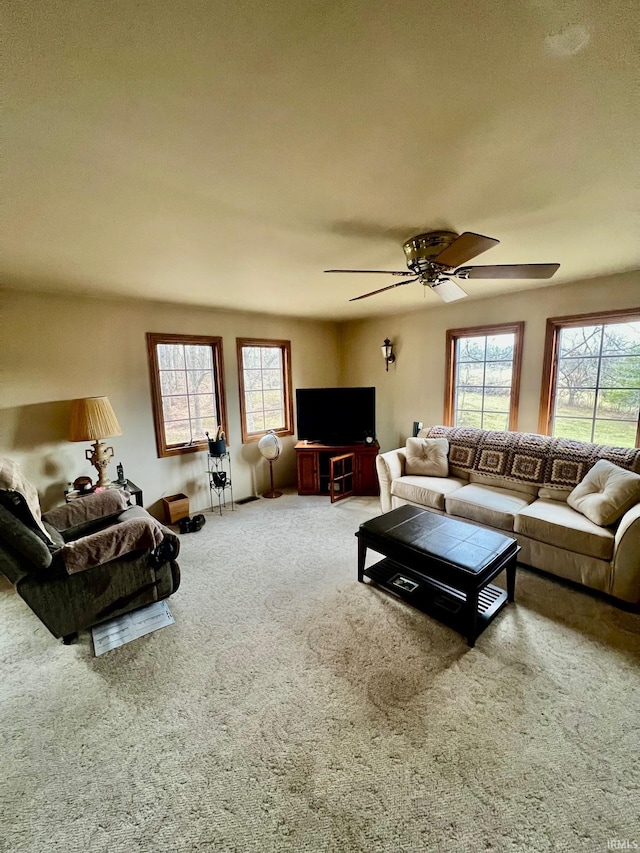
(413,389)
(57,348)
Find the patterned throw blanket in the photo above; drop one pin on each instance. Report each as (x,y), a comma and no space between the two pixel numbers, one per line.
(540,460)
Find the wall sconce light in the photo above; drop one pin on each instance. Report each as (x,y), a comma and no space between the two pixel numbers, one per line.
(387,352)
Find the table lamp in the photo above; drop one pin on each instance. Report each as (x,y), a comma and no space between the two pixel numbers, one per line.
(93,419)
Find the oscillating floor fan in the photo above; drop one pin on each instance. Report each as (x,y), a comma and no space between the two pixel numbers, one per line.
(270,447)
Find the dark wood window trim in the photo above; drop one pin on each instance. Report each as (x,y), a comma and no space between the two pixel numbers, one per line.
(552,339)
(517,329)
(153,339)
(285,347)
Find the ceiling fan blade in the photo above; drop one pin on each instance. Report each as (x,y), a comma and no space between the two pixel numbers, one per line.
(463,248)
(509,271)
(447,290)
(379,272)
(382,290)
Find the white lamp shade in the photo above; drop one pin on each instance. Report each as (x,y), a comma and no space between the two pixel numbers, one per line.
(93,418)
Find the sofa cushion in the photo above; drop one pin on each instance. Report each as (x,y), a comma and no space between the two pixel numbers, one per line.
(554,494)
(606,493)
(427,456)
(504,483)
(487,505)
(558,524)
(425,491)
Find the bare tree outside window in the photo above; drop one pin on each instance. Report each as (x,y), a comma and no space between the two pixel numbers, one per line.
(264,376)
(597,383)
(483,372)
(187,391)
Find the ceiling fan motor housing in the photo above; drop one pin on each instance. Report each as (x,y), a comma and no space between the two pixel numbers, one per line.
(422,249)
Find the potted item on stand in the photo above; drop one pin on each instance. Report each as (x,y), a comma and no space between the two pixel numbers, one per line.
(217,445)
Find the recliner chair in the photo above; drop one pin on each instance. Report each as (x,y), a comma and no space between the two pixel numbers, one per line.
(85,562)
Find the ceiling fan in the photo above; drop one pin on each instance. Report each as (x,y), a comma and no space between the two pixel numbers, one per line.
(433,259)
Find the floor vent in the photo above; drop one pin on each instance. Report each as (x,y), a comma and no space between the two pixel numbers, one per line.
(247,500)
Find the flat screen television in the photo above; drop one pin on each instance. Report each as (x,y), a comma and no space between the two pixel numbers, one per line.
(336,415)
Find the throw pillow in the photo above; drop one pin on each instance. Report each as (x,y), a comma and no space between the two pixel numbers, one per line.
(605,493)
(427,457)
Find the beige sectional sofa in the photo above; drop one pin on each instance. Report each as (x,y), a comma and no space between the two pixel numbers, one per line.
(525,484)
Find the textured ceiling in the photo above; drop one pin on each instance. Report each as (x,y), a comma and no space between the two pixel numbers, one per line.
(225,153)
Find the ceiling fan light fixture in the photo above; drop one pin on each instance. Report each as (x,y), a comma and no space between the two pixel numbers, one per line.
(434,256)
(447,290)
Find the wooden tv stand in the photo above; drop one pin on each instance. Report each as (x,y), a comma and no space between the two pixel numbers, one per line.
(314,467)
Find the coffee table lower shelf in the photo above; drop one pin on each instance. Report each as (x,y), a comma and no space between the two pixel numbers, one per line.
(442,602)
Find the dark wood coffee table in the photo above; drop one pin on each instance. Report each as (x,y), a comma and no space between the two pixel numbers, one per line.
(440,565)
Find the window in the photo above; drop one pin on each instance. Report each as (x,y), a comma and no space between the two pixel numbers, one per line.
(591,378)
(264,374)
(187,391)
(483,376)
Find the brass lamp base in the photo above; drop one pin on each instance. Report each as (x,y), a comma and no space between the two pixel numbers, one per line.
(100,457)
(272,493)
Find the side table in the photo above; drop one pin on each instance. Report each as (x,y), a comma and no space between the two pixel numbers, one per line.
(128,485)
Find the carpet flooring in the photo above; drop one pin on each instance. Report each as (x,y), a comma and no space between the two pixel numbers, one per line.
(292,709)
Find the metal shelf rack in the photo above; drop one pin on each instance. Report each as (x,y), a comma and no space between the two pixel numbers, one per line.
(219,473)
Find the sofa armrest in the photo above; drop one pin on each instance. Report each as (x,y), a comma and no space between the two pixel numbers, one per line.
(21,549)
(88,508)
(625,566)
(389,465)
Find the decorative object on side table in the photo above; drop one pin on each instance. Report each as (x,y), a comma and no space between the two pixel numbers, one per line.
(83,485)
(270,446)
(93,419)
(73,493)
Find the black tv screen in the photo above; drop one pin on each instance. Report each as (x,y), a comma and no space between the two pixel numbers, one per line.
(336,415)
